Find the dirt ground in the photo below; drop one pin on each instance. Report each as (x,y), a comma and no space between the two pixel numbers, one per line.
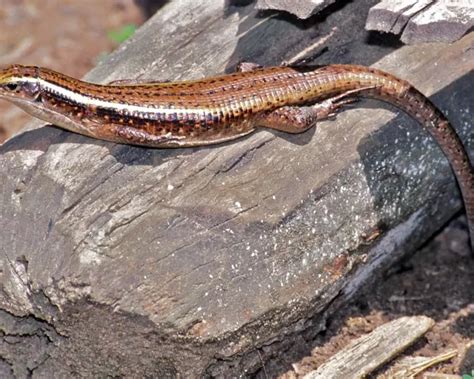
(71,39)
(437,281)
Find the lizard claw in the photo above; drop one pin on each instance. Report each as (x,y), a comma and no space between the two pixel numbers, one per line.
(328,108)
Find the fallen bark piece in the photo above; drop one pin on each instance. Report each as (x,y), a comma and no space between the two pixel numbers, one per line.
(392,16)
(369,352)
(422,21)
(435,375)
(445,21)
(300,8)
(409,367)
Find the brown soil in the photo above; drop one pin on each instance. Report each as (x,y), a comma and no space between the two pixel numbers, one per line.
(71,39)
(438,281)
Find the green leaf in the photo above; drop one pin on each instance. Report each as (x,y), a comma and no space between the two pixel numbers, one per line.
(122,34)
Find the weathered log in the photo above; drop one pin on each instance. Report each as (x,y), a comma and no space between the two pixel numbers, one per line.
(423,21)
(119,260)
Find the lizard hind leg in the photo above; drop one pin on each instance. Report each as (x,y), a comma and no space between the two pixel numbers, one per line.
(329,108)
(297,119)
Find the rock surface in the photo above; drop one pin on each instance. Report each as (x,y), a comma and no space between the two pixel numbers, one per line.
(125,261)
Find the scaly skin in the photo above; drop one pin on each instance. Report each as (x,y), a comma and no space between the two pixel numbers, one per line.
(222,108)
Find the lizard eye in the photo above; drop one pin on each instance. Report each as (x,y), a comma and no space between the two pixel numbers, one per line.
(12,86)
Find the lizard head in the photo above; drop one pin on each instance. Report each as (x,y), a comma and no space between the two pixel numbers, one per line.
(19,83)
